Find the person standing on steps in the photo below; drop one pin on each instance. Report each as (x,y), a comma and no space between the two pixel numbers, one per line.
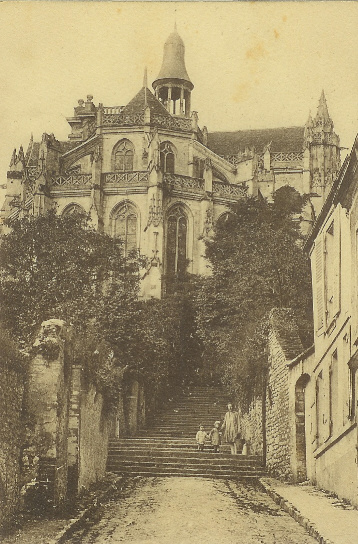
(215,437)
(201,436)
(231,428)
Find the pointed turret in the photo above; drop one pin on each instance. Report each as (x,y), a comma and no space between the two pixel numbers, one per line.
(324,149)
(173,85)
(322,110)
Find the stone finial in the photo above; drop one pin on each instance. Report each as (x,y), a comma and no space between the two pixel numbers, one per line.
(81,102)
(89,98)
(13,160)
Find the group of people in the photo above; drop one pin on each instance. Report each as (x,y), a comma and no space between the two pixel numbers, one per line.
(231,429)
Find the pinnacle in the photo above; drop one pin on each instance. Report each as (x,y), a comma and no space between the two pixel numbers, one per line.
(322,110)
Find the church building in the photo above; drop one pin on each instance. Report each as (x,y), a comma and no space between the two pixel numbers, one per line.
(147,172)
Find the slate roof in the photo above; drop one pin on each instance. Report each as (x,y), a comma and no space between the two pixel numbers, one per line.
(285,327)
(285,140)
(137,104)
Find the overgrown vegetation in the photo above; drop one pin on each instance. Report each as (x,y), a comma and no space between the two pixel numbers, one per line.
(60,267)
(257,264)
(214,330)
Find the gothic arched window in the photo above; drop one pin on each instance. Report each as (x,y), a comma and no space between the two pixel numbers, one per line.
(123,155)
(72,209)
(177,230)
(167,157)
(124,226)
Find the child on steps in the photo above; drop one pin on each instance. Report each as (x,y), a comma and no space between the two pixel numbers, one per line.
(201,436)
(215,437)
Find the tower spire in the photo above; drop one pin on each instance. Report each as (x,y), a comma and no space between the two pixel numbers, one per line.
(322,110)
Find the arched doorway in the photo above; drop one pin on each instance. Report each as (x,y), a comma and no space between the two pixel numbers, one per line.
(300,418)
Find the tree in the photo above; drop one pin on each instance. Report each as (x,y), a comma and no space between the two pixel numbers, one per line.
(53,266)
(257,264)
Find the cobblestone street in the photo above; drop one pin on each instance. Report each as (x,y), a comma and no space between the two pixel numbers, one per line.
(183,510)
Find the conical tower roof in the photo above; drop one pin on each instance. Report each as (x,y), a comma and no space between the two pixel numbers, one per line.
(173,65)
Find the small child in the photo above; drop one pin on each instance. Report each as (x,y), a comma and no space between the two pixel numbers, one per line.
(215,437)
(201,436)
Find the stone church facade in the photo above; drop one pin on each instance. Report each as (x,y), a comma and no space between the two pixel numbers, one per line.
(147,172)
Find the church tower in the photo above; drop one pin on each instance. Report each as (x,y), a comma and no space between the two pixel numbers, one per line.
(324,146)
(173,86)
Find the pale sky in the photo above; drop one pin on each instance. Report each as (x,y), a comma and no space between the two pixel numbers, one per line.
(254,65)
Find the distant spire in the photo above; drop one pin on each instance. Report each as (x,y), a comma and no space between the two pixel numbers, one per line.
(309,122)
(322,111)
(175,26)
(13,158)
(21,155)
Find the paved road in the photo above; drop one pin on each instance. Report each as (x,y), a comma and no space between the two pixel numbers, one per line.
(195,511)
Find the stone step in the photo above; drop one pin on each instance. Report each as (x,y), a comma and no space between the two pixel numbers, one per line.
(167,471)
(168,474)
(182,453)
(215,461)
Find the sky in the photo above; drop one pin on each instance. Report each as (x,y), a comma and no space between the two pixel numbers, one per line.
(253,64)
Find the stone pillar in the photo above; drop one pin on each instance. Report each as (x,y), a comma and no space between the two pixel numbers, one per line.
(47,402)
(74,430)
(181,101)
(267,159)
(306,175)
(208,176)
(170,106)
(96,211)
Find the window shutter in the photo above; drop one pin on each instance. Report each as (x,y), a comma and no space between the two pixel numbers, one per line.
(337,267)
(319,272)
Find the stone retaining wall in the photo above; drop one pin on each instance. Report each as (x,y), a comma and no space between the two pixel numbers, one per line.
(11,432)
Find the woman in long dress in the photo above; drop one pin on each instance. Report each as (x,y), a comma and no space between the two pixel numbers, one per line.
(231,428)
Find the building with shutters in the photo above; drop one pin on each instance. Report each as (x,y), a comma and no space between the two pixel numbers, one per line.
(148,173)
(325,381)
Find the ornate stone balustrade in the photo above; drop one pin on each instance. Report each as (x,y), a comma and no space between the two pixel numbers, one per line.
(173,123)
(227,190)
(115,117)
(113,110)
(74,180)
(123,179)
(287,157)
(120,119)
(184,183)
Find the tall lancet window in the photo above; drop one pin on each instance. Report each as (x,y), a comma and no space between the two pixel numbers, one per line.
(177,232)
(167,157)
(124,226)
(123,155)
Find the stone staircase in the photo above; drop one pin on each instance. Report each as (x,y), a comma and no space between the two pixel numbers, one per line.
(168,448)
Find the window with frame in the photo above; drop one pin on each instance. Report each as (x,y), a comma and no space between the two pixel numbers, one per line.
(176,251)
(167,158)
(124,226)
(123,156)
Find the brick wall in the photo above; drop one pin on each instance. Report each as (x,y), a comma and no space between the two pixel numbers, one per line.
(11,432)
